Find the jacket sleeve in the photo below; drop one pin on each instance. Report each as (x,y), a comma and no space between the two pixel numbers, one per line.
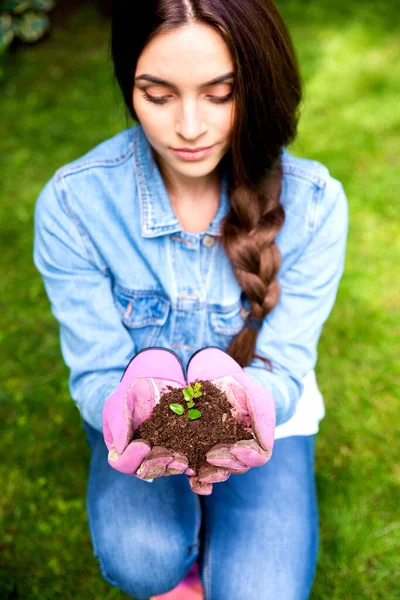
(94,343)
(290,333)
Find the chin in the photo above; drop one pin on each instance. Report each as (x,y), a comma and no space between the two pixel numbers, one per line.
(196,169)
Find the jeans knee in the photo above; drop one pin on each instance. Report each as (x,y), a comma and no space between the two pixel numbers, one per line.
(149,573)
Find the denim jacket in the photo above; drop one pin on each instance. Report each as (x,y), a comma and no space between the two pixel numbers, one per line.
(121,275)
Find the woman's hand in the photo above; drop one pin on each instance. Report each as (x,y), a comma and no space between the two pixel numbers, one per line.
(251,405)
(142,384)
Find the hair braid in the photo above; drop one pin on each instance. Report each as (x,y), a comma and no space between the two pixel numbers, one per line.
(248,237)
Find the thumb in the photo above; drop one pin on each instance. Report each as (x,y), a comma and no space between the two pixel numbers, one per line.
(203,489)
(130,460)
(262,410)
(107,434)
(251,404)
(117,428)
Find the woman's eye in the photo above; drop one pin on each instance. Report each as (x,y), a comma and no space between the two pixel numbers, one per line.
(155,100)
(221,99)
(164,99)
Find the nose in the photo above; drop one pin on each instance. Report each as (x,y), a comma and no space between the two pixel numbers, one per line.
(190,123)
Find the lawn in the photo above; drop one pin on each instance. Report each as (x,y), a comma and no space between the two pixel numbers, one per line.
(57,101)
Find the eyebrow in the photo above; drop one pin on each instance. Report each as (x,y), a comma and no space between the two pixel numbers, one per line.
(153,79)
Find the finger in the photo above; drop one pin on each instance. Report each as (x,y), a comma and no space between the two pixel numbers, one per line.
(220,456)
(262,410)
(252,405)
(203,489)
(239,471)
(211,474)
(177,466)
(108,439)
(237,396)
(131,458)
(249,453)
(140,400)
(180,462)
(155,463)
(189,471)
(168,472)
(117,431)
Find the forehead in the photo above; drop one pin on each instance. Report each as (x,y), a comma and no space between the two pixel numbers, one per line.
(190,55)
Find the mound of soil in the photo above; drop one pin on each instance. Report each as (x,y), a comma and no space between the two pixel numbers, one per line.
(194,438)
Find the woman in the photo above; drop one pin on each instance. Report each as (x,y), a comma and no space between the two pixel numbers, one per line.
(195,238)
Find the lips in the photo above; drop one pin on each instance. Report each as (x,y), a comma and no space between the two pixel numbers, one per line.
(193,154)
(191,149)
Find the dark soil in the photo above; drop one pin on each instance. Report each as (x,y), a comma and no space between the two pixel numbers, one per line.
(193,438)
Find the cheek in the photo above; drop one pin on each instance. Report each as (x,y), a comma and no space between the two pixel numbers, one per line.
(148,114)
(225,122)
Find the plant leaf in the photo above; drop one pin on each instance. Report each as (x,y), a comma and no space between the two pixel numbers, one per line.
(194,414)
(197,394)
(190,404)
(190,389)
(177,408)
(187,396)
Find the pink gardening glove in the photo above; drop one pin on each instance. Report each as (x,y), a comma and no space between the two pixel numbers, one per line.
(144,380)
(251,404)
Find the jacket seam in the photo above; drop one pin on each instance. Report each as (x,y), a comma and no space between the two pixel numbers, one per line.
(318,210)
(307,175)
(65,172)
(144,202)
(141,293)
(315,212)
(83,237)
(315,223)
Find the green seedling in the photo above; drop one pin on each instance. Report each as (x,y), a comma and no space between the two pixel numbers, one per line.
(177,408)
(189,394)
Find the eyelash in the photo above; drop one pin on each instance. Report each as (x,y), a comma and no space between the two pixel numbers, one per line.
(163,100)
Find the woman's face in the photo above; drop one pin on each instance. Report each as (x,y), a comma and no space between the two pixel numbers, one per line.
(185,110)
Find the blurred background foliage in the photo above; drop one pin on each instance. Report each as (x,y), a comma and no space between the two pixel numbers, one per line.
(25,20)
(58,99)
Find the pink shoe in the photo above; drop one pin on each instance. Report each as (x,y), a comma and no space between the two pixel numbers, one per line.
(189,588)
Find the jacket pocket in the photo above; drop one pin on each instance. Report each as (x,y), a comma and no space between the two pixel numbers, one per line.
(225,323)
(143,312)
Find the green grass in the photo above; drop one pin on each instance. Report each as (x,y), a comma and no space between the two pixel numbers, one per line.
(58,100)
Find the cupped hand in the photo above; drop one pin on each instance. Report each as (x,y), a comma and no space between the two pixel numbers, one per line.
(251,404)
(144,381)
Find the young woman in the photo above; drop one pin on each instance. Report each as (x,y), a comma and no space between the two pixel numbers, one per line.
(194,245)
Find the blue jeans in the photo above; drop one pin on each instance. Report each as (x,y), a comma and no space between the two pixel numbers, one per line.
(255,536)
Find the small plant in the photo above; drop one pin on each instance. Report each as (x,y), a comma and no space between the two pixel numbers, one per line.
(189,394)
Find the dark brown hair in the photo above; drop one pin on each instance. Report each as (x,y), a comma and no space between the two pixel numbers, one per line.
(267,93)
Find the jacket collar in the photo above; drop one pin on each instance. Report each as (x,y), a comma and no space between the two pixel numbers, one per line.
(156,214)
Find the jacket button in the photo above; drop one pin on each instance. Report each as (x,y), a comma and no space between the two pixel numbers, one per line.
(208,241)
